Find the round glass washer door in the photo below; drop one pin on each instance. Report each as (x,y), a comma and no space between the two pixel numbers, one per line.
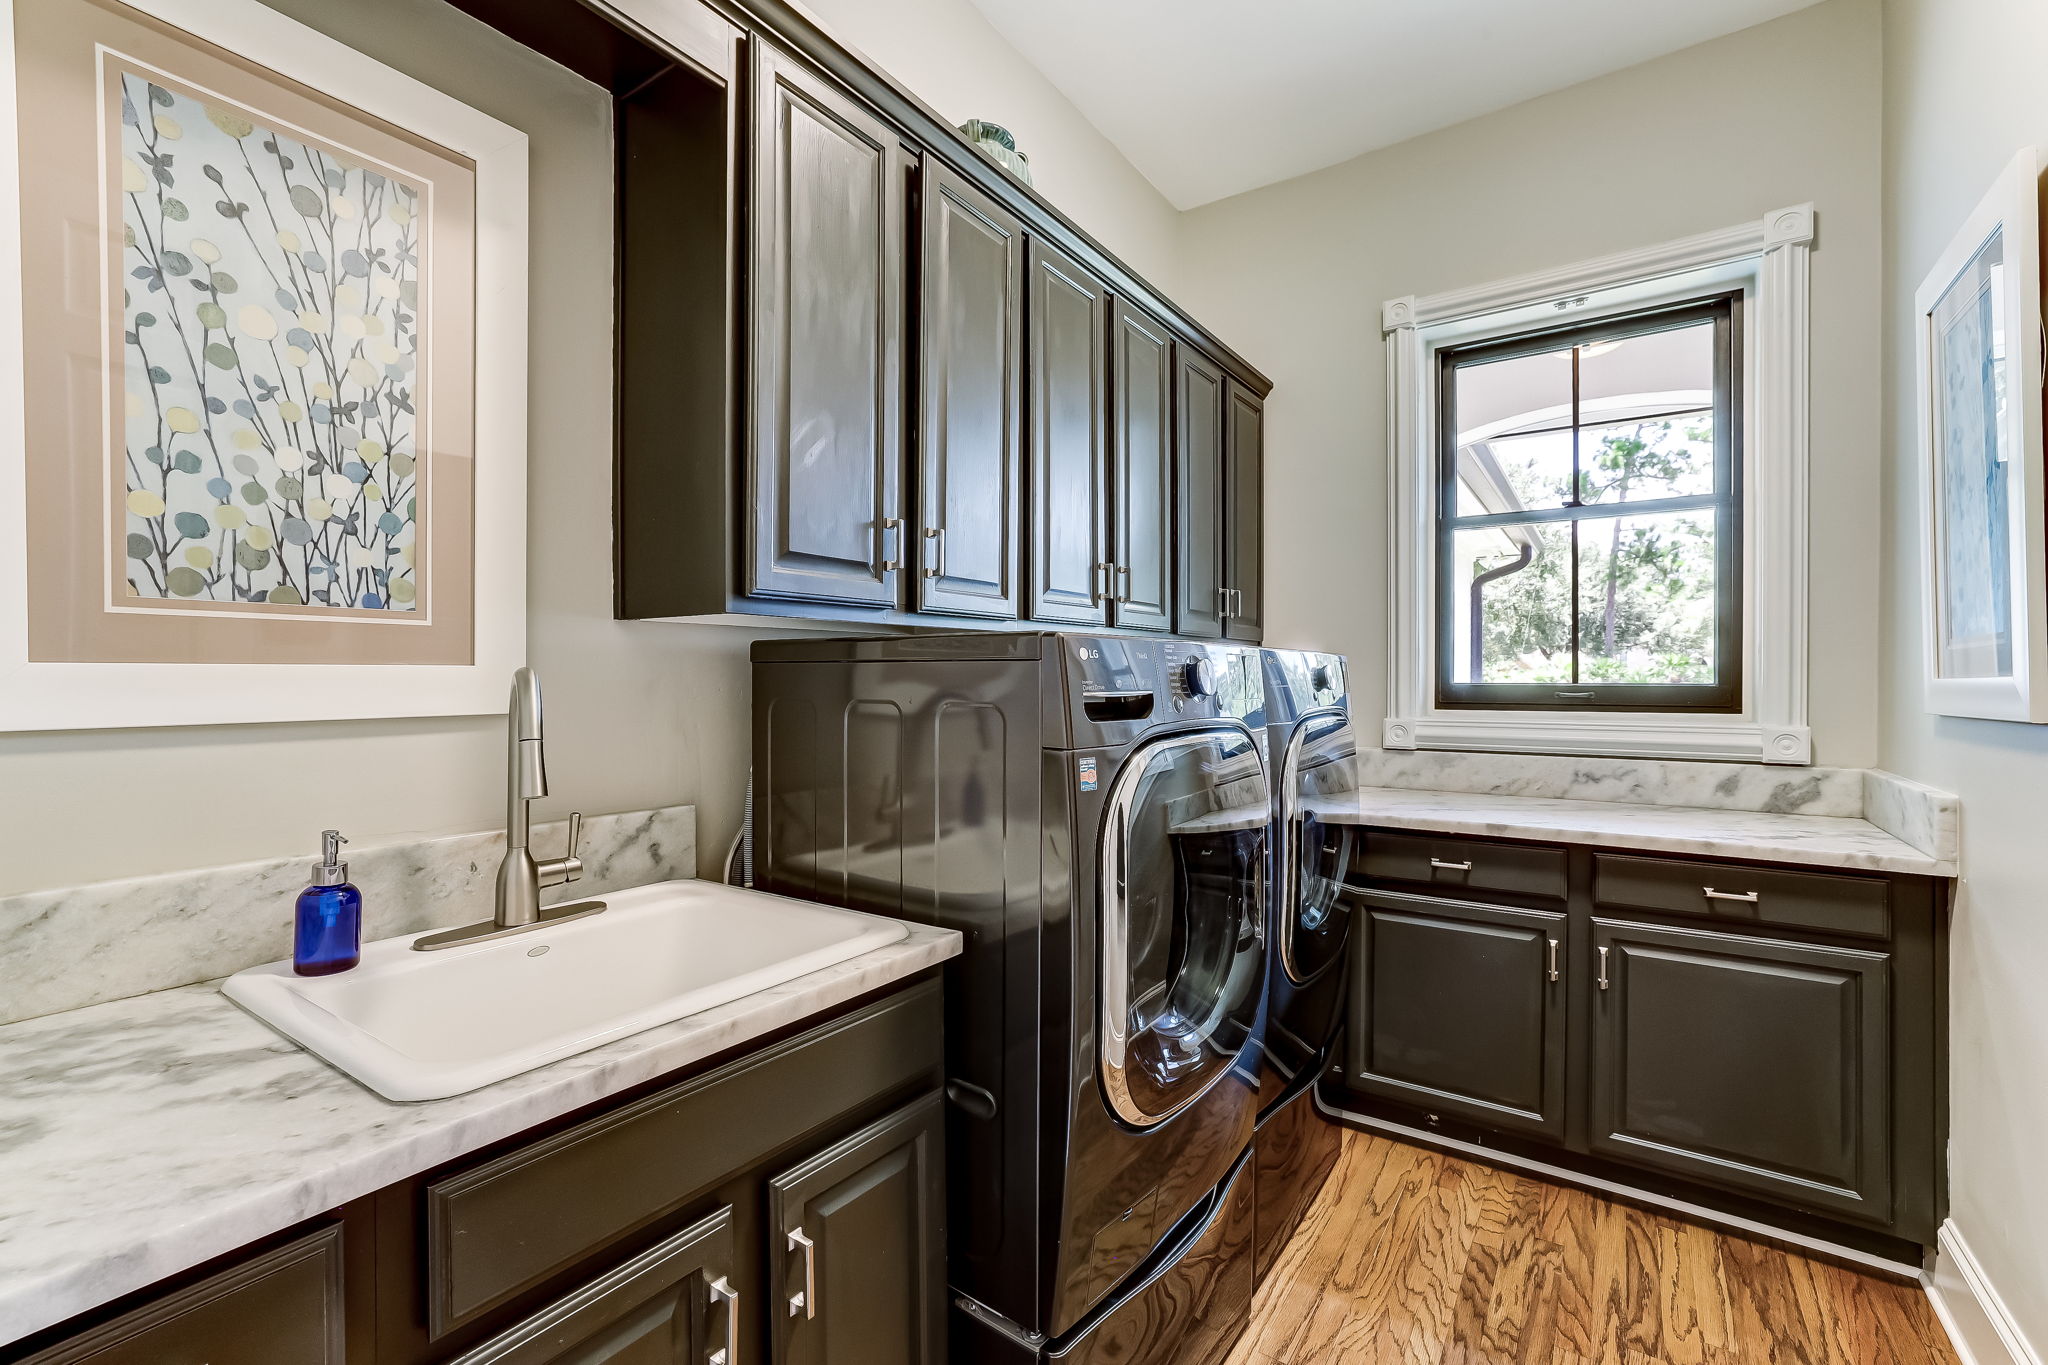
(1314,857)
(1183,902)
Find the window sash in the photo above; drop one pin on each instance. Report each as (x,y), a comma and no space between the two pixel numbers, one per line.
(1724,695)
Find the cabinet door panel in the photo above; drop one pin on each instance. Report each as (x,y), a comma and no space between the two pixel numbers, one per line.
(1748,1062)
(1198,474)
(1454,1009)
(859,1255)
(825,448)
(1141,365)
(1245,546)
(671,1305)
(282,1305)
(1069,441)
(971,459)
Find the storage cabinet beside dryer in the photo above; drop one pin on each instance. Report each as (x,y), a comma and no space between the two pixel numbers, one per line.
(1762,1039)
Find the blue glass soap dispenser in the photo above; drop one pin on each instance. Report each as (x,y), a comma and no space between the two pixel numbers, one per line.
(329,938)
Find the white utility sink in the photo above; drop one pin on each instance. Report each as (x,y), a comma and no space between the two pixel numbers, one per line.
(423,1026)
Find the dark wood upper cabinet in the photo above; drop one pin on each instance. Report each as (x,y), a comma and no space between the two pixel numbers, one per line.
(971,393)
(859,1262)
(824,446)
(1069,421)
(1459,1008)
(1244,551)
(1141,485)
(1198,479)
(1752,1063)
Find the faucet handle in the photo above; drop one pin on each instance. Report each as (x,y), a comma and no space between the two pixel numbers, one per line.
(568,867)
(575,832)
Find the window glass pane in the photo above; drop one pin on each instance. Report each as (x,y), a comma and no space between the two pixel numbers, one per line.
(1633,461)
(1646,599)
(1514,395)
(1652,372)
(1515,473)
(1511,605)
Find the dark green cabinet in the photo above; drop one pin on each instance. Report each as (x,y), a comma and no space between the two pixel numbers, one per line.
(1141,462)
(1069,421)
(1244,535)
(1754,1063)
(1198,486)
(970,466)
(1460,1008)
(824,443)
(859,1270)
(673,1304)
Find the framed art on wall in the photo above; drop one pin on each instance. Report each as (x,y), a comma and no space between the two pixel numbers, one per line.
(264,299)
(1979,367)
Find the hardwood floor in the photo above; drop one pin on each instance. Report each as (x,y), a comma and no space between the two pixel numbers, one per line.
(1412,1257)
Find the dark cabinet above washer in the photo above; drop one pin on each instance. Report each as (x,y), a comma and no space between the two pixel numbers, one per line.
(864,376)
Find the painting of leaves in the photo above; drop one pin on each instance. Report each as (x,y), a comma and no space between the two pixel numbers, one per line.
(272,337)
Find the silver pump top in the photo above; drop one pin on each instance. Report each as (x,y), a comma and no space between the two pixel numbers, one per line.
(330,870)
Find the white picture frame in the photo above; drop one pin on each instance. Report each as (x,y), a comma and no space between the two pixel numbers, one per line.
(39,695)
(1978,376)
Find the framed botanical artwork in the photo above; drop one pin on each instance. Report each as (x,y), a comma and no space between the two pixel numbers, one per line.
(263,343)
(1980,374)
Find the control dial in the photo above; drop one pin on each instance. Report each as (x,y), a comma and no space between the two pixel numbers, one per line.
(1195,678)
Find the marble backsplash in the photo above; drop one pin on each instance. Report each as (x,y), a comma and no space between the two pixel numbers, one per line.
(64,949)
(1920,815)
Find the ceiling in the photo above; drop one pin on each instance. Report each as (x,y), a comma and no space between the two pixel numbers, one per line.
(1209,98)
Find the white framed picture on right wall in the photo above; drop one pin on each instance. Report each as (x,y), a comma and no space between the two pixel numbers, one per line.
(1979,363)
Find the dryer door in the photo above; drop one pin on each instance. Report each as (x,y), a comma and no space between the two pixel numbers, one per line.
(1183,891)
(1321,760)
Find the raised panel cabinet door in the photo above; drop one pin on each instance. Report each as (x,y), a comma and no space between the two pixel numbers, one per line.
(284,1304)
(1141,484)
(858,1247)
(1244,551)
(1754,1064)
(674,1304)
(971,457)
(1069,441)
(1460,1008)
(823,518)
(1198,476)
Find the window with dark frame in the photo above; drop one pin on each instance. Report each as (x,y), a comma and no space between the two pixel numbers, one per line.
(1589,516)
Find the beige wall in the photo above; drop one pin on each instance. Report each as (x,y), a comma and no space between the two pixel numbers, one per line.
(1963,93)
(639,713)
(952,59)
(1294,274)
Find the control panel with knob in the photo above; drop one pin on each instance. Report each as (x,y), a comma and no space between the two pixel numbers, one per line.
(1195,678)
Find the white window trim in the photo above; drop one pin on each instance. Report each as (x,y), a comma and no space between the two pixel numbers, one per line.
(1768,260)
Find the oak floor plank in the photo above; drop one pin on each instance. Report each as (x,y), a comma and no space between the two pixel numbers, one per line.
(1409,1256)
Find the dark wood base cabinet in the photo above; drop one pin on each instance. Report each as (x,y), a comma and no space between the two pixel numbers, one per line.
(786,1207)
(1760,1039)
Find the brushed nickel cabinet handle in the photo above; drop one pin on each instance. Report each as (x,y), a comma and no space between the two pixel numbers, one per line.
(1553,973)
(1746,897)
(1099,589)
(1441,865)
(1603,969)
(937,536)
(805,1300)
(722,1291)
(892,526)
(1123,572)
(1223,603)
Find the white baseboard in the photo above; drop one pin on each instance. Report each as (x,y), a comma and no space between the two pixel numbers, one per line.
(1970,1310)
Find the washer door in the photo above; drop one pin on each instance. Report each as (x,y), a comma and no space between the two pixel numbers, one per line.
(1321,760)
(1183,891)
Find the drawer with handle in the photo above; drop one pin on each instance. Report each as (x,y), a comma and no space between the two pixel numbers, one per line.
(1824,902)
(1463,864)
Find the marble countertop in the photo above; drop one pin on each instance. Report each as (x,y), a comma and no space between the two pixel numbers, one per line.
(141,1137)
(1807,840)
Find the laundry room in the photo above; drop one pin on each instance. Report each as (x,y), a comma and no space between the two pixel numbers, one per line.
(993,682)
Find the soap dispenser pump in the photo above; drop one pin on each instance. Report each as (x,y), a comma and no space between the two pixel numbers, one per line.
(329,935)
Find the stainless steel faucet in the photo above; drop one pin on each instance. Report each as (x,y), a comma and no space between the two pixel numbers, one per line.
(520,877)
